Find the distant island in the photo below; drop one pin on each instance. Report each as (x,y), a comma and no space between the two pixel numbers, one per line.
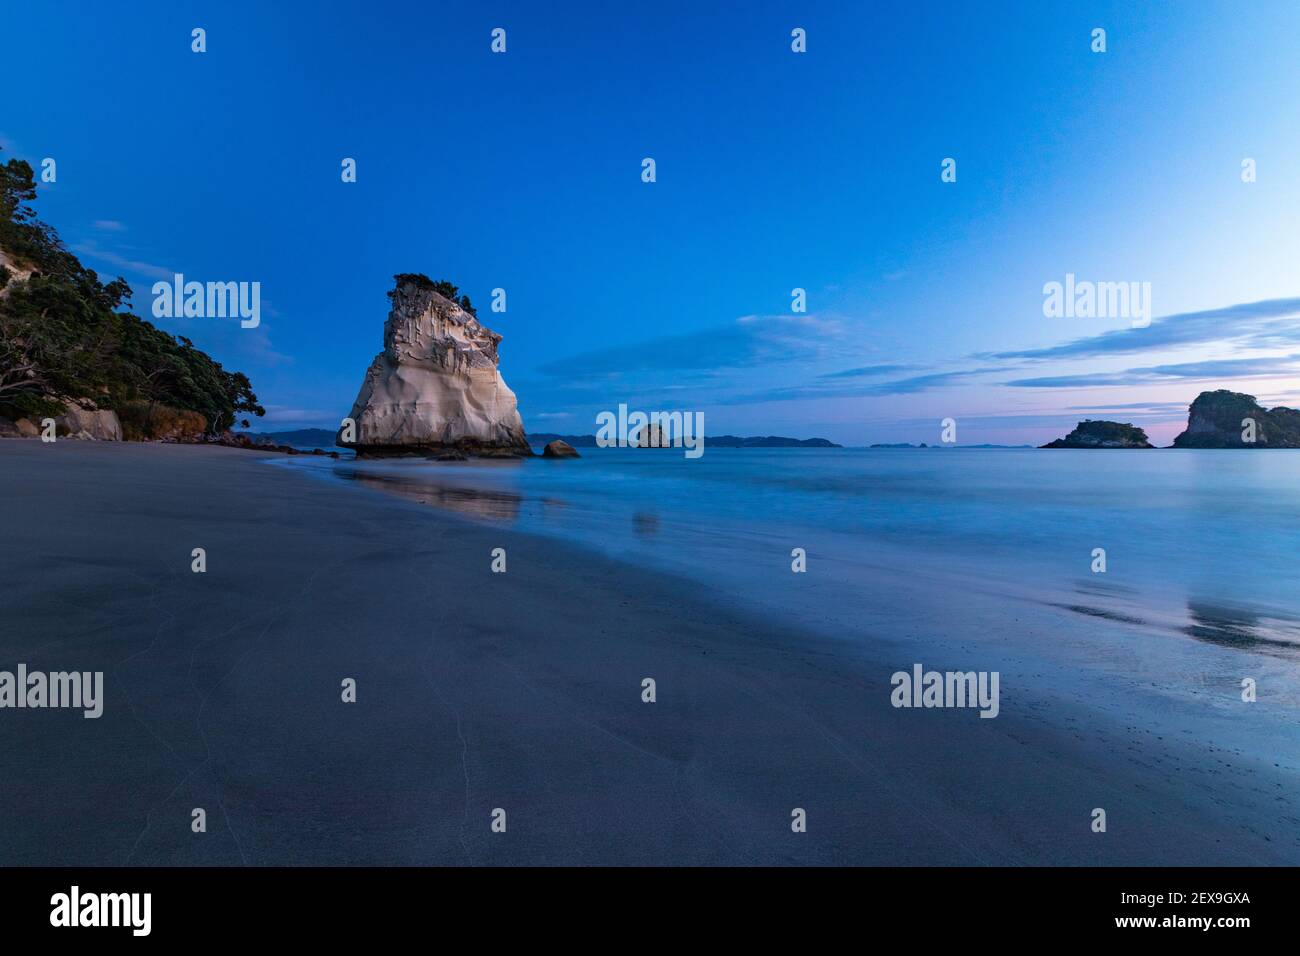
(1224,419)
(1218,419)
(1098,434)
(713,441)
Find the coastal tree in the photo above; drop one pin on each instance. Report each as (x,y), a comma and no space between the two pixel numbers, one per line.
(66,335)
(448,290)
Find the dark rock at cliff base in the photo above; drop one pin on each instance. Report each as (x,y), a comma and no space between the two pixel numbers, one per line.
(1090,434)
(1224,419)
(559,449)
(240,440)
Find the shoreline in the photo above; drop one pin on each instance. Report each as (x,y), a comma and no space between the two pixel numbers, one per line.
(518,690)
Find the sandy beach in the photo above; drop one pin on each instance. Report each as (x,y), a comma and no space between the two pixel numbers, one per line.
(519,691)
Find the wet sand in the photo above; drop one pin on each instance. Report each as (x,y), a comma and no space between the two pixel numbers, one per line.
(519,691)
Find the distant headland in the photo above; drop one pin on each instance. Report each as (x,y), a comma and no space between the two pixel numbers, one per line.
(1218,419)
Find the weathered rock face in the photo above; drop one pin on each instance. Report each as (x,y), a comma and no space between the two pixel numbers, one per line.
(99,424)
(1090,434)
(435,386)
(1222,419)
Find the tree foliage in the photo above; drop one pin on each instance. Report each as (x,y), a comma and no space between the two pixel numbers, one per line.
(446,289)
(62,335)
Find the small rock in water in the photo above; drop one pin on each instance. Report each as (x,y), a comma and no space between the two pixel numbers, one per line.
(560,449)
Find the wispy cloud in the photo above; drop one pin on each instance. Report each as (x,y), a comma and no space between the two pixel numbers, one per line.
(868,371)
(1210,370)
(902,386)
(1266,324)
(758,360)
(1155,408)
(109,225)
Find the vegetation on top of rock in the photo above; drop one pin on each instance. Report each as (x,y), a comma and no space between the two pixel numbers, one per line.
(444,288)
(1224,419)
(1102,434)
(63,339)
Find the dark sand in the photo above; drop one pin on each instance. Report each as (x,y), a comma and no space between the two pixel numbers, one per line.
(517,690)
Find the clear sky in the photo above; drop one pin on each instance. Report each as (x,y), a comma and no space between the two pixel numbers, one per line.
(775,170)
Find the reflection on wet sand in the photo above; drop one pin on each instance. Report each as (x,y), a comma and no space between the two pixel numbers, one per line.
(1087,586)
(490,505)
(1099,612)
(1243,629)
(1256,630)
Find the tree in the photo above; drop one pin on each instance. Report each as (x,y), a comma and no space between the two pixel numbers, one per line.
(63,337)
(444,288)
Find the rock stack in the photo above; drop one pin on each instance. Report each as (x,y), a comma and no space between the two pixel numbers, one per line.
(435,388)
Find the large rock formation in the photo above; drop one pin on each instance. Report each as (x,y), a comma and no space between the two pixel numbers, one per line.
(435,387)
(1090,434)
(1222,419)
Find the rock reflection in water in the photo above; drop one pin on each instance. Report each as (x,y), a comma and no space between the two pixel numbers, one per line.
(645,523)
(491,505)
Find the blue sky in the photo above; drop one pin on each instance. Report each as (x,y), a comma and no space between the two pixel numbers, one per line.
(776,170)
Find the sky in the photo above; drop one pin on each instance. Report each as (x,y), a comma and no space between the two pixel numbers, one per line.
(775,171)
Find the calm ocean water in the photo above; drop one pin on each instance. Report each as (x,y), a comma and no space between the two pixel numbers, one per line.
(962,547)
